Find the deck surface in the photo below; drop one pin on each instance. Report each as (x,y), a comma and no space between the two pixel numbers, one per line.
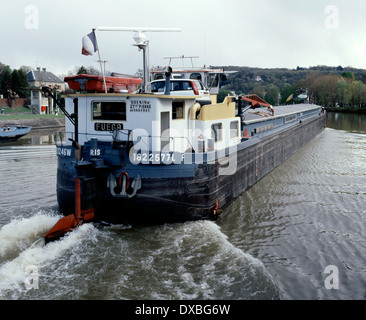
(261,114)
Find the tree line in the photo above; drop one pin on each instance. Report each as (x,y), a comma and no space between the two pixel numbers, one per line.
(333,91)
(326,86)
(13,82)
(330,87)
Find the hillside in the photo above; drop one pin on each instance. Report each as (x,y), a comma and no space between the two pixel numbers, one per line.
(247,79)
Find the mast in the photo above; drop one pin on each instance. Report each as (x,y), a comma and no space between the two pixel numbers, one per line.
(100,60)
(142,43)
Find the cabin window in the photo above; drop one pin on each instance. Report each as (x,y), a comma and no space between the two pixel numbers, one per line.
(109,110)
(181,85)
(234,129)
(177,110)
(213,80)
(196,76)
(216,131)
(158,76)
(158,86)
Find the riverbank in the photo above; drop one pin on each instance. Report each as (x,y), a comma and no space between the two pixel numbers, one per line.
(35,123)
(346,109)
(23,116)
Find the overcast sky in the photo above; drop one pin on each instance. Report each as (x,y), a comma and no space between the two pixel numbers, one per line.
(255,33)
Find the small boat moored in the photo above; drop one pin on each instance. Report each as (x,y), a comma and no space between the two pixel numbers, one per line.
(13,132)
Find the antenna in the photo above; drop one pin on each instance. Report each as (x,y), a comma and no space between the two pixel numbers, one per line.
(142,43)
(182,57)
(104,62)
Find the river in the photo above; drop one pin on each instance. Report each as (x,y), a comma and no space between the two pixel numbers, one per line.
(297,234)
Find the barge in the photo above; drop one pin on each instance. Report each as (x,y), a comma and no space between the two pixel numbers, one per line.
(155,157)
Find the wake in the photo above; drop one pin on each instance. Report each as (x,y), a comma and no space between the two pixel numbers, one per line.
(22,247)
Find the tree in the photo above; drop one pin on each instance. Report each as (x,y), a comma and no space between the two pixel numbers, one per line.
(272,96)
(222,94)
(348,75)
(259,91)
(20,83)
(83,70)
(5,80)
(95,71)
(344,94)
(2,66)
(327,90)
(15,81)
(358,90)
(286,92)
(26,69)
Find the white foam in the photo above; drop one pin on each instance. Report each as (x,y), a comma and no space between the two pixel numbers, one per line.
(204,264)
(19,234)
(211,234)
(12,273)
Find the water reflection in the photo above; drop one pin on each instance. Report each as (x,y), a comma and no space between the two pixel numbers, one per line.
(351,122)
(37,137)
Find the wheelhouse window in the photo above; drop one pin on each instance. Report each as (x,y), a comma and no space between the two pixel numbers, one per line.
(216,131)
(213,80)
(196,76)
(109,110)
(177,110)
(158,76)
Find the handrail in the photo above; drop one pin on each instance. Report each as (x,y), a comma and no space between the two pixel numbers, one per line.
(170,138)
(128,134)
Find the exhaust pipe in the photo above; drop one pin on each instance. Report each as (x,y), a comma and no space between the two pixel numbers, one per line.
(168,72)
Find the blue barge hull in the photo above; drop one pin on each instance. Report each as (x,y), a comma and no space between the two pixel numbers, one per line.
(177,192)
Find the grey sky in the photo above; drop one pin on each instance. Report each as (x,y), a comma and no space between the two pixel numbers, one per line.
(256,33)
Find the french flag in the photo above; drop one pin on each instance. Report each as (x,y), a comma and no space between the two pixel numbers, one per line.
(89,44)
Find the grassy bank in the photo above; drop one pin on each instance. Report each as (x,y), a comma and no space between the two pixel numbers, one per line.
(17,116)
(23,113)
(23,116)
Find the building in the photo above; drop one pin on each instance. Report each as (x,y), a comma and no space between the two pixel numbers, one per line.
(43,78)
(258,78)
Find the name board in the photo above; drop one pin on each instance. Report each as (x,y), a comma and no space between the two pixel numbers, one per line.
(140,106)
(64,152)
(99,126)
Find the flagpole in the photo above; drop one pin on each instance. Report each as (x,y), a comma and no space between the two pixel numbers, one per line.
(100,60)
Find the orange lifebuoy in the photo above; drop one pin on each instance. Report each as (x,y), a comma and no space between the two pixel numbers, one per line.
(194,87)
